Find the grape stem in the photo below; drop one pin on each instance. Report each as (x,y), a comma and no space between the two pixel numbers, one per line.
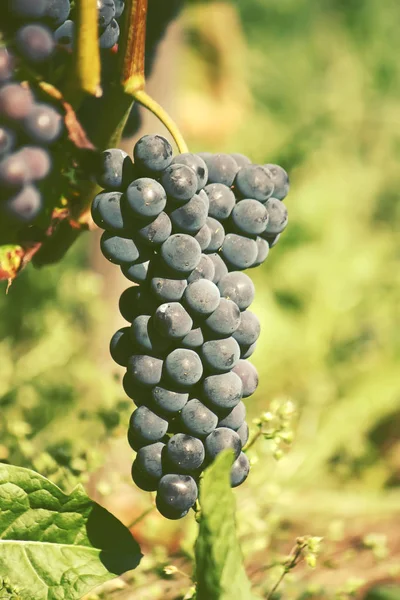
(147,101)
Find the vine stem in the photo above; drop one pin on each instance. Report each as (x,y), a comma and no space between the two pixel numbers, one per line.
(287,567)
(148,102)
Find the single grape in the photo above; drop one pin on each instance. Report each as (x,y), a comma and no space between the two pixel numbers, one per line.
(152,153)
(179,182)
(254,181)
(241,160)
(181,253)
(14,171)
(197,419)
(225,319)
(197,164)
(35,42)
(172,320)
(280,179)
(121,346)
(220,356)
(168,401)
(110,35)
(193,340)
(238,251)
(119,8)
(137,272)
(222,392)
(183,367)
(156,232)
(217,235)
(140,395)
(149,460)
(235,418)
(64,36)
(249,376)
(37,161)
(133,302)
(119,250)
(105,12)
(250,217)
(243,433)
(205,198)
(237,287)
(24,207)
(202,237)
(220,268)
(107,214)
(146,197)
(190,217)
(184,453)
(7,140)
(139,478)
(201,297)
(146,427)
(43,124)
(247,350)
(26,9)
(262,251)
(278,216)
(176,494)
(221,439)
(272,239)
(204,270)
(222,200)
(145,338)
(145,370)
(57,12)
(16,101)
(167,289)
(240,470)
(114,170)
(6,65)
(222,168)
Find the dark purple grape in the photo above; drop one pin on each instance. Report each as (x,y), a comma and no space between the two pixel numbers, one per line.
(121,346)
(183,367)
(146,426)
(220,356)
(197,164)
(180,182)
(38,161)
(201,297)
(249,329)
(190,217)
(110,35)
(172,320)
(239,252)
(156,232)
(184,453)
(35,42)
(278,216)
(168,401)
(181,253)
(222,392)
(249,376)
(243,433)
(43,124)
(25,206)
(238,287)
(115,169)
(217,235)
(220,268)
(221,439)
(26,9)
(241,160)
(107,214)
(137,272)
(16,101)
(152,153)
(176,494)
(240,470)
(105,13)
(193,340)
(119,250)
(262,251)
(145,370)
(222,168)
(203,237)
(235,418)
(225,319)
(254,181)
(222,200)
(64,36)
(197,419)
(57,11)
(204,270)
(14,171)
(119,8)
(280,179)
(250,217)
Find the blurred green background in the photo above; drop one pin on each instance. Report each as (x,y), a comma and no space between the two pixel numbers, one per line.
(312,85)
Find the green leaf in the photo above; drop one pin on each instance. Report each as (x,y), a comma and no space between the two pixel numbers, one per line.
(10,261)
(219,567)
(390,592)
(56,546)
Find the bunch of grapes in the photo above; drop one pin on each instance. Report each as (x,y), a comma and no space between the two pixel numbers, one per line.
(183,229)
(27,130)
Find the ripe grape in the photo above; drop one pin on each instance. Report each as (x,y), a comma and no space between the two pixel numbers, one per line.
(119,250)
(197,164)
(137,272)
(181,253)
(197,419)
(110,35)
(145,370)
(119,8)
(278,216)
(240,470)
(168,401)
(146,427)
(222,200)
(225,319)
(168,289)
(221,439)
(133,302)
(217,234)
(57,11)
(35,42)
(145,338)
(254,181)
(249,376)
(222,169)
(237,287)
(250,217)
(105,12)
(204,270)
(184,453)
(190,217)
(201,297)
(262,251)
(238,251)
(37,160)
(107,213)
(146,197)
(280,179)
(25,206)
(64,36)
(220,268)
(176,494)
(183,367)
(247,350)
(249,329)
(14,171)
(121,346)
(16,101)
(203,237)
(223,391)
(156,232)
(152,153)
(172,320)
(235,418)
(114,170)
(179,182)
(243,433)
(220,356)
(241,160)
(194,339)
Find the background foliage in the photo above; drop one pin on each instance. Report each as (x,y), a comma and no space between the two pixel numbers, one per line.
(314,86)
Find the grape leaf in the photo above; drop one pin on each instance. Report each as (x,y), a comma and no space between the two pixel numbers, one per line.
(55,546)
(219,568)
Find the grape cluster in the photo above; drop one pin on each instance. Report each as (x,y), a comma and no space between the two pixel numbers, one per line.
(183,229)
(27,130)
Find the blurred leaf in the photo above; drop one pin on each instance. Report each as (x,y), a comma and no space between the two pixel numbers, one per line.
(384,593)
(57,545)
(219,567)
(10,261)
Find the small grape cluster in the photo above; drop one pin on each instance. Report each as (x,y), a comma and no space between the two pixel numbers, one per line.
(27,129)
(183,229)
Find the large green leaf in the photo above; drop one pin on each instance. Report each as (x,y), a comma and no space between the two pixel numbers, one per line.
(219,567)
(55,546)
